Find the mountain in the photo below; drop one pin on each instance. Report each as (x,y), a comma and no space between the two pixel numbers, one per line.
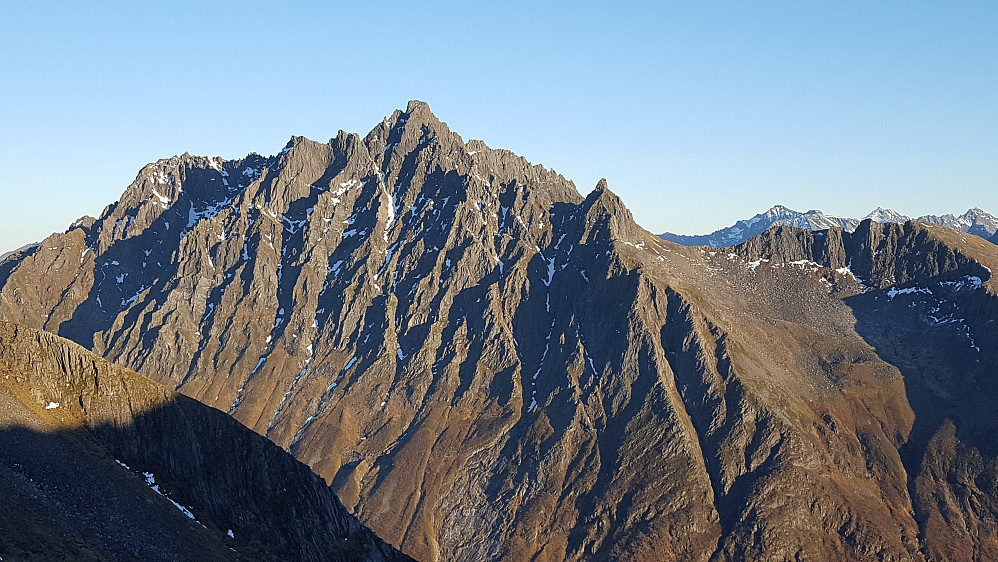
(745,229)
(994,238)
(881,214)
(974,221)
(484,364)
(100,463)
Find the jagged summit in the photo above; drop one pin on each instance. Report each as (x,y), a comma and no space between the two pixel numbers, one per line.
(414,137)
(881,214)
(605,202)
(417,106)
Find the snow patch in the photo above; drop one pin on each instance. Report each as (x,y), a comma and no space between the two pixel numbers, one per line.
(151,482)
(163,200)
(893,292)
(968,282)
(259,364)
(550,270)
(350,363)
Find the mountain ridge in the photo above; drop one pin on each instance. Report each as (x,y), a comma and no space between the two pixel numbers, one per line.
(974,221)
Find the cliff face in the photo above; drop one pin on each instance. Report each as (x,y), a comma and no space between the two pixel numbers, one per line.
(881,254)
(103,463)
(485,364)
(924,297)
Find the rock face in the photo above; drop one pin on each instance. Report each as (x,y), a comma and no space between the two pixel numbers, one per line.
(73,424)
(975,221)
(486,365)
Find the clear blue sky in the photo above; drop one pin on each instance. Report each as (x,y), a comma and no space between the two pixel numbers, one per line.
(697,113)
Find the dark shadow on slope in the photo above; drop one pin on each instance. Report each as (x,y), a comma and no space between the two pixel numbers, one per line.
(945,376)
(950,371)
(65,496)
(66,499)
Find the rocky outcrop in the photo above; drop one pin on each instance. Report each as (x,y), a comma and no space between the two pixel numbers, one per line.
(486,365)
(234,495)
(881,254)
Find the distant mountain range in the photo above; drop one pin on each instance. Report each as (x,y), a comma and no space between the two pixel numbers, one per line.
(975,221)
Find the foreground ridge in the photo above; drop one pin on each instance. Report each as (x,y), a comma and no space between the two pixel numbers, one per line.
(83,438)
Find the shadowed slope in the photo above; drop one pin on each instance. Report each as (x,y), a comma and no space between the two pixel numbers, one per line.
(68,416)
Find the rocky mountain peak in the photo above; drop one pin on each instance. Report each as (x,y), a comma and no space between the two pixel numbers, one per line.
(417,123)
(603,208)
(974,221)
(417,106)
(605,202)
(881,214)
(777,210)
(778,215)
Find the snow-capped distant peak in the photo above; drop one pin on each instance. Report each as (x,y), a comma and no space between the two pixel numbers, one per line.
(881,214)
(974,221)
(777,215)
(778,211)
